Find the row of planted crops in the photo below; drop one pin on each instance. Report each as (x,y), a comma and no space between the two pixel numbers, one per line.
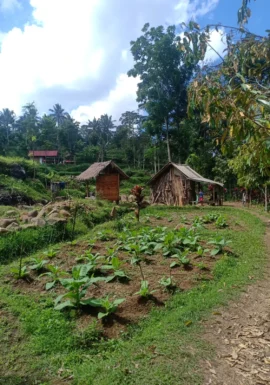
(181,248)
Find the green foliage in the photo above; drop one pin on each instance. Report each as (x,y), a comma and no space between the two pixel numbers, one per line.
(19,272)
(30,240)
(108,306)
(145,291)
(219,243)
(167,283)
(54,273)
(38,264)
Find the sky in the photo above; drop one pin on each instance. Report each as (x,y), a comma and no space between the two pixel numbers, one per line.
(77,52)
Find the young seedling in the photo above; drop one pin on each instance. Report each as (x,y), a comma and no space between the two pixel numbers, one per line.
(168,283)
(109,306)
(201,251)
(144,291)
(19,272)
(38,264)
(219,244)
(115,265)
(181,259)
(77,287)
(55,274)
(50,253)
(221,222)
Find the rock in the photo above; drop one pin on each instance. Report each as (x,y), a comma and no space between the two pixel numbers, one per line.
(2,230)
(11,213)
(131,198)
(33,214)
(39,222)
(13,226)
(123,198)
(7,221)
(28,226)
(64,213)
(53,212)
(53,220)
(18,172)
(24,218)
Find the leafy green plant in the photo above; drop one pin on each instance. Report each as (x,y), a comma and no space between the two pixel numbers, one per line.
(50,253)
(221,222)
(219,244)
(167,283)
(55,273)
(115,265)
(145,291)
(109,306)
(181,259)
(19,272)
(191,242)
(77,287)
(201,251)
(38,264)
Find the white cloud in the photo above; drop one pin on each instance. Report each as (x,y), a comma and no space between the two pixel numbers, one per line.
(76,52)
(121,95)
(9,5)
(218,44)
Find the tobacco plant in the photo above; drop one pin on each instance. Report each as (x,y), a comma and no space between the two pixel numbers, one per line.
(118,273)
(55,274)
(38,264)
(219,244)
(108,306)
(145,291)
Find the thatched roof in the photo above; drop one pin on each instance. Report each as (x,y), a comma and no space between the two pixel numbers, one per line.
(187,171)
(96,168)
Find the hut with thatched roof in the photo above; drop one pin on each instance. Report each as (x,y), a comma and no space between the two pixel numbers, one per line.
(177,184)
(108,176)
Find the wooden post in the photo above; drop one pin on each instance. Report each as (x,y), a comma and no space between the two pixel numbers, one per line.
(87,188)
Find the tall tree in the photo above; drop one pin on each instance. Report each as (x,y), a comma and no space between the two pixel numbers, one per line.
(162,90)
(7,120)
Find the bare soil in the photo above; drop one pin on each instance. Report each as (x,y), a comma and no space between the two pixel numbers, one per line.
(240,335)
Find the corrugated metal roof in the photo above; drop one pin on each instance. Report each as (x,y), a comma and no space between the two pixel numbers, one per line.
(187,171)
(96,168)
(43,153)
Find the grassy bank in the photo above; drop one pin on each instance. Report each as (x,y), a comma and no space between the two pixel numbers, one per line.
(42,346)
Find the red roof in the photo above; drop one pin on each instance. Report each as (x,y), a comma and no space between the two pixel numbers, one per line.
(43,153)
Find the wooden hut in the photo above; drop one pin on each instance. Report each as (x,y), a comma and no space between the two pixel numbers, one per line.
(107,175)
(178,184)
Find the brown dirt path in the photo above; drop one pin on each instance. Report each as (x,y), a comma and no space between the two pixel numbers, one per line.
(240,335)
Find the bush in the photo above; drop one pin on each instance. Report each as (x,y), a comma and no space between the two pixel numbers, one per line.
(29,240)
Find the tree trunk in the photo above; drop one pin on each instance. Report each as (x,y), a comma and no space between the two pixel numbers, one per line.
(265,199)
(167,140)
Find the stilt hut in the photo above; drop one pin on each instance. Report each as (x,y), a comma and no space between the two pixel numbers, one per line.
(107,176)
(178,184)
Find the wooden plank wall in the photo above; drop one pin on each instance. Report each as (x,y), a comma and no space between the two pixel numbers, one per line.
(107,187)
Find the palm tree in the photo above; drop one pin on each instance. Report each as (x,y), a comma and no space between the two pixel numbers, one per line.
(59,116)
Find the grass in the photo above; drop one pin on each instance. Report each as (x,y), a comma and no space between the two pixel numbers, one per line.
(164,348)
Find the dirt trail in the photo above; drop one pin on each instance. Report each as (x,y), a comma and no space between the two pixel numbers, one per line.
(241,335)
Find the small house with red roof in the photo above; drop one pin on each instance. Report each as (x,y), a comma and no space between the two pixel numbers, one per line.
(44,156)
